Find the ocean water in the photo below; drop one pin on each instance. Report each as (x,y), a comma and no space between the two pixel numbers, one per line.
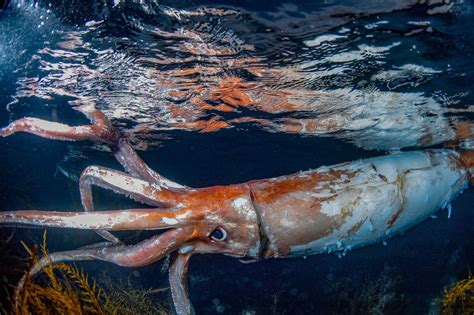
(222,92)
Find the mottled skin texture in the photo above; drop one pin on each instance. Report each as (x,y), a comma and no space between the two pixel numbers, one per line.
(358,203)
(331,208)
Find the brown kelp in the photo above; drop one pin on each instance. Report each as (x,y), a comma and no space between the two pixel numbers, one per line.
(459,297)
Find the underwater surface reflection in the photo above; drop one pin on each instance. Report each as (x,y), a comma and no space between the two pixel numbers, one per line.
(220,92)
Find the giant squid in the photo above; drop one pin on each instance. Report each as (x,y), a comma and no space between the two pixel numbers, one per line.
(328,209)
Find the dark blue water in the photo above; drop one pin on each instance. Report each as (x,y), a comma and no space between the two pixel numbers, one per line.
(223,92)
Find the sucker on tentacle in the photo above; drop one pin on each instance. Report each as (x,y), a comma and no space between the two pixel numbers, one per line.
(328,209)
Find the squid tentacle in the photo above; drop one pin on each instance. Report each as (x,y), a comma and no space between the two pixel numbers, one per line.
(101,131)
(121,183)
(179,290)
(110,220)
(138,255)
(88,204)
(118,182)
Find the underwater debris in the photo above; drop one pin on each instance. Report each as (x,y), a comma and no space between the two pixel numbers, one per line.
(459,297)
(217,306)
(275,306)
(65,289)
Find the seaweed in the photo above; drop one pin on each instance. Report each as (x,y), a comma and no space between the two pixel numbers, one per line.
(374,295)
(65,289)
(130,298)
(459,297)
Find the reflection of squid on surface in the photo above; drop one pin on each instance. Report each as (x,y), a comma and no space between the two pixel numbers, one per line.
(369,119)
(280,100)
(328,209)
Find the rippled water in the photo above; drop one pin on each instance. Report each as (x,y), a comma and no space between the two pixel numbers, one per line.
(216,92)
(352,71)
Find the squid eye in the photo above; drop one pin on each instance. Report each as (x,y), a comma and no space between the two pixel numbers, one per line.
(219,234)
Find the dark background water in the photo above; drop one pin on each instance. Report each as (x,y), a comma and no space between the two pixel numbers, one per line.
(120,66)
